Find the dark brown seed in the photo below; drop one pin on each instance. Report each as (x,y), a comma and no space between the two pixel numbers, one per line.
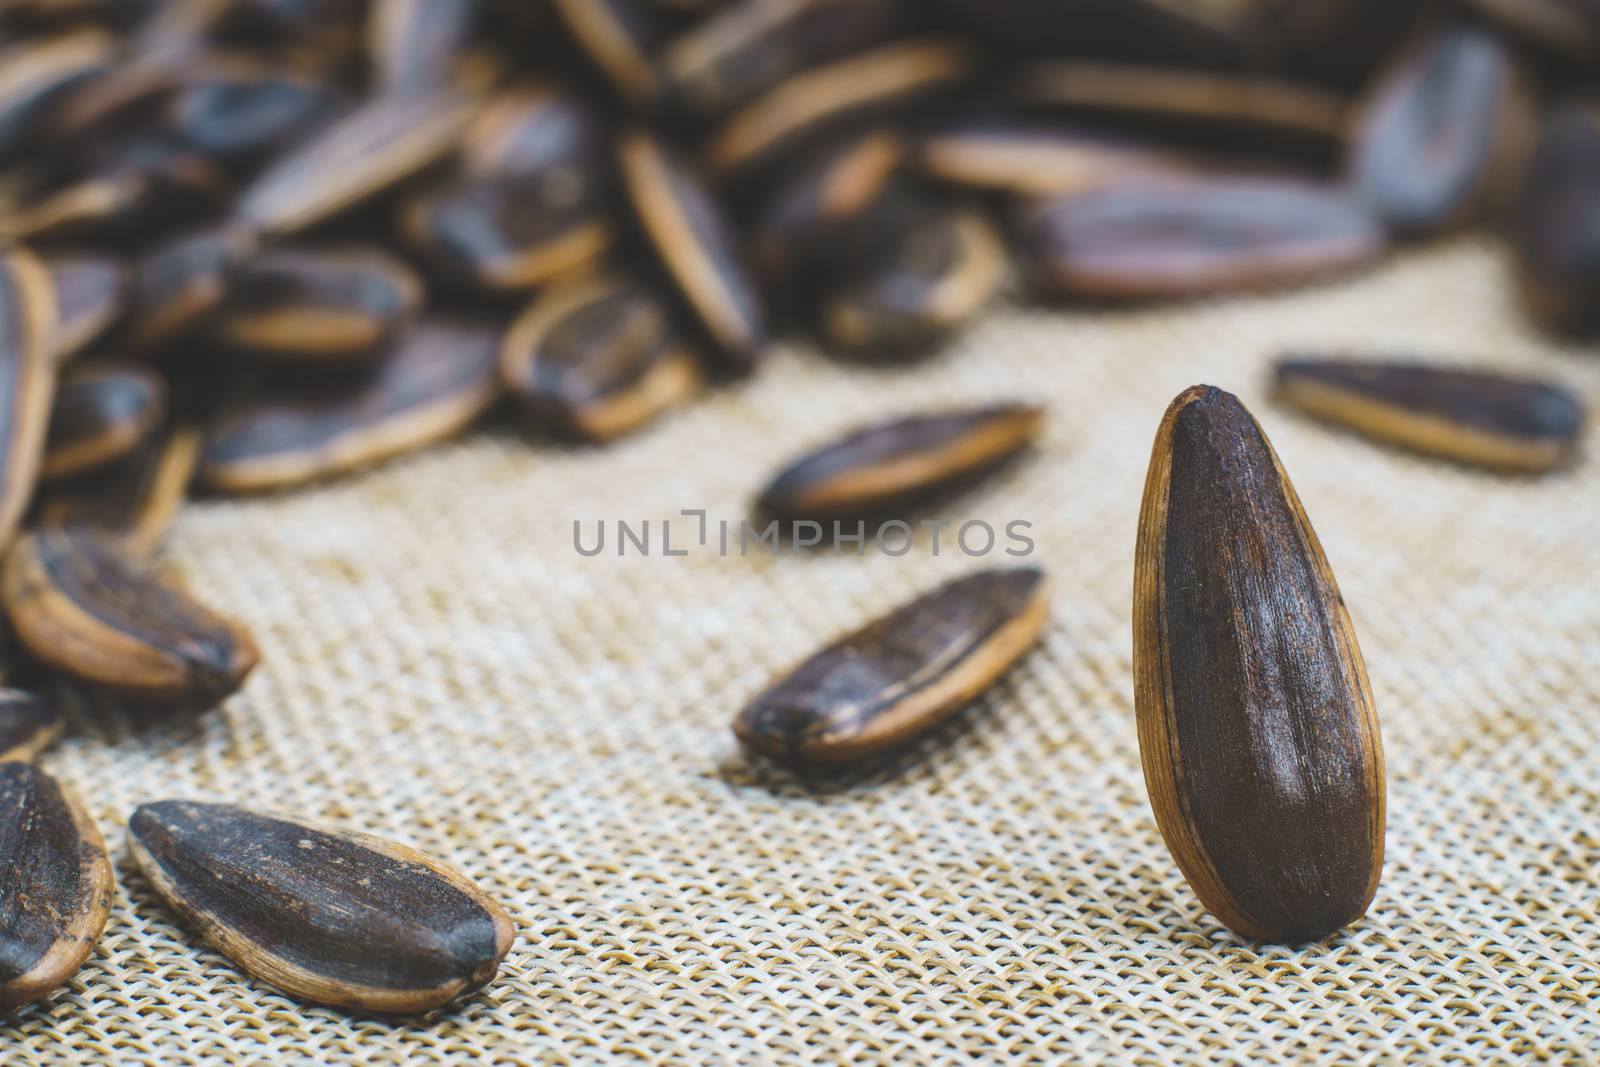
(689,234)
(901,675)
(1148,238)
(747,48)
(1555,230)
(135,498)
(874,471)
(380,144)
(619,37)
(243,116)
(438,378)
(1231,108)
(534,130)
(79,208)
(596,357)
(1444,134)
(1570,28)
(29,724)
(28,331)
(55,885)
(1033,159)
(90,293)
(1481,418)
(327,915)
(319,303)
(1256,726)
(420,45)
(811,102)
(83,605)
(102,412)
(931,281)
(512,233)
(179,284)
(36,74)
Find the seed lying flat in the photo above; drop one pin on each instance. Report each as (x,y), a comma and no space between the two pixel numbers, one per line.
(1037,159)
(935,278)
(1256,727)
(319,303)
(90,292)
(27,378)
(102,412)
(1186,237)
(901,675)
(1554,235)
(596,357)
(330,916)
(381,143)
(689,234)
(84,605)
(439,376)
(135,498)
(876,470)
(55,885)
(29,724)
(1444,132)
(1486,419)
(180,283)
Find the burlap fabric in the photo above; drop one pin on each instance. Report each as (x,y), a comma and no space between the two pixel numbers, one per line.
(442,667)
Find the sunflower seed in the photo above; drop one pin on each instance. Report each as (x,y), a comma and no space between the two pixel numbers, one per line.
(1256,726)
(55,885)
(1555,229)
(29,724)
(102,412)
(1038,159)
(180,283)
(135,498)
(901,675)
(28,330)
(90,293)
(327,915)
(85,606)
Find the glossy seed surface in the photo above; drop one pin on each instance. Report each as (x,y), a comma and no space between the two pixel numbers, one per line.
(55,885)
(1473,417)
(901,675)
(902,463)
(102,412)
(84,605)
(438,377)
(29,724)
(1256,726)
(597,357)
(330,916)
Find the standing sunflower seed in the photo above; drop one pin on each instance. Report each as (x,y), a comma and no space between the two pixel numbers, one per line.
(330,916)
(85,606)
(28,332)
(55,885)
(439,376)
(29,724)
(102,412)
(876,470)
(1257,732)
(1481,418)
(901,675)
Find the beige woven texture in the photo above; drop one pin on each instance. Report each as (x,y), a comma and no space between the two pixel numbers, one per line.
(441,667)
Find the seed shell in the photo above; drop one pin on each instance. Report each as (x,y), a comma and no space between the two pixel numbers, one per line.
(135,498)
(1555,226)
(28,330)
(1256,726)
(84,605)
(439,376)
(901,675)
(180,283)
(55,885)
(1170,237)
(1038,159)
(29,724)
(419,45)
(36,74)
(1472,417)
(102,412)
(596,357)
(873,471)
(91,292)
(339,918)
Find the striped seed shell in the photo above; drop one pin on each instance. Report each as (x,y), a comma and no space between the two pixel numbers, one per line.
(1257,732)
(330,916)
(36,74)
(619,37)
(596,357)
(1473,417)
(91,292)
(55,885)
(102,412)
(692,239)
(27,380)
(438,377)
(29,724)
(1038,159)
(368,151)
(319,303)
(873,471)
(420,45)
(1170,237)
(84,605)
(132,500)
(901,675)
(180,283)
